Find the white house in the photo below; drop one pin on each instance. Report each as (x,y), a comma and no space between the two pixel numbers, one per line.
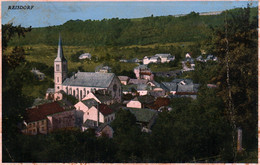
(84,56)
(93,111)
(135,103)
(187,55)
(165,57)
(153,59)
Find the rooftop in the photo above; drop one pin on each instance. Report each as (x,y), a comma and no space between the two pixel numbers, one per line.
(143,115)
(40,112)
(90,79)
(105,109)
(90,102)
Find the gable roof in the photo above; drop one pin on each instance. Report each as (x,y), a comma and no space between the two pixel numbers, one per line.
(141,67)
(163,55)
(123,78)
(42,111)
(103,97)
(90,102)
(105,110)
(102,126)
(143,115)
(159,102)
(90,79)
(146,99)
(137,81)
(171,86)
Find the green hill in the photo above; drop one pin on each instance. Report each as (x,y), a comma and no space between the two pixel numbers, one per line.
(124,32)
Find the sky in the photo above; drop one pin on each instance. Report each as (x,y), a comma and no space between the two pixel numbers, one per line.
(56,13)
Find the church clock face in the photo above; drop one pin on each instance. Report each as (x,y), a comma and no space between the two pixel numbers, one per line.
(115,87)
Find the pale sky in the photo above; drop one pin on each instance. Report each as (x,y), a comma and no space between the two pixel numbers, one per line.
(56,13)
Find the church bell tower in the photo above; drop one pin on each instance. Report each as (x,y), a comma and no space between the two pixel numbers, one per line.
(60,68)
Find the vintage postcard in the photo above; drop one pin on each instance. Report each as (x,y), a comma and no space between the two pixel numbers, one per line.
(129,81)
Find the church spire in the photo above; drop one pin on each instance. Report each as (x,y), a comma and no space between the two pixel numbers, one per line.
(60,56)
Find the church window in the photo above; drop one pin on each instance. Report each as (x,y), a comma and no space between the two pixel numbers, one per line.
(57,79)
(57,67)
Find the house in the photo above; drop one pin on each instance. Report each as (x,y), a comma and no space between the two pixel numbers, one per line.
(101,96)
(84,56)
(81,83)
(135,103)
(49,117)
(160,104)
(188,55)
(124,79)
(130,89)
(144,117)
(211,85)
(143,72)
(137,81)
(181,88)
(168,73)
(142,89)
(200,58)
(90,113)
(170,87)
(165,57)
(153,59)
(188,64)
(105,130)
(103,69)
(39,75)
(49,94)
(210,57)
(140,102)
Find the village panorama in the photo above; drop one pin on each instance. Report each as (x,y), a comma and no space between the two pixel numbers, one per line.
(100,99)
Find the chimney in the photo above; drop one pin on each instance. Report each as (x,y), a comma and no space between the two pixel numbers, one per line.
(97,114)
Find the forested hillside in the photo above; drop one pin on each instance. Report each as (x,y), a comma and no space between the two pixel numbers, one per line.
(122,32)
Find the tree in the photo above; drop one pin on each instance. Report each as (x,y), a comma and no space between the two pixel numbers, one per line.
(236,47)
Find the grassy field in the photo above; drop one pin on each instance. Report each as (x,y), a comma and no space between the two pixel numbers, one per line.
(46,54)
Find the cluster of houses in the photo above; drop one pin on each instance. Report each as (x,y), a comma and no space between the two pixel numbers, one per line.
(188,64)
(157,58)
(100,95)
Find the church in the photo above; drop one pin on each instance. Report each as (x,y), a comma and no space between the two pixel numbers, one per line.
(81,84)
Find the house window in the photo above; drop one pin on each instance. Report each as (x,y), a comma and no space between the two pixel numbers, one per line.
(43,129)
(34,124)
(57,67)
(57,79)
(42,122)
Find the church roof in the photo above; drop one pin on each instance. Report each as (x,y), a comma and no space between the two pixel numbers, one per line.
(90,79)
(60,56)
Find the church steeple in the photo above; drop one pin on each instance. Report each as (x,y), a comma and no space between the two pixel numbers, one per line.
(60,56)
(60,67)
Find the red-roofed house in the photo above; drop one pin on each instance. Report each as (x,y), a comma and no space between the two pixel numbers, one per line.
(160,103)
(48,117)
